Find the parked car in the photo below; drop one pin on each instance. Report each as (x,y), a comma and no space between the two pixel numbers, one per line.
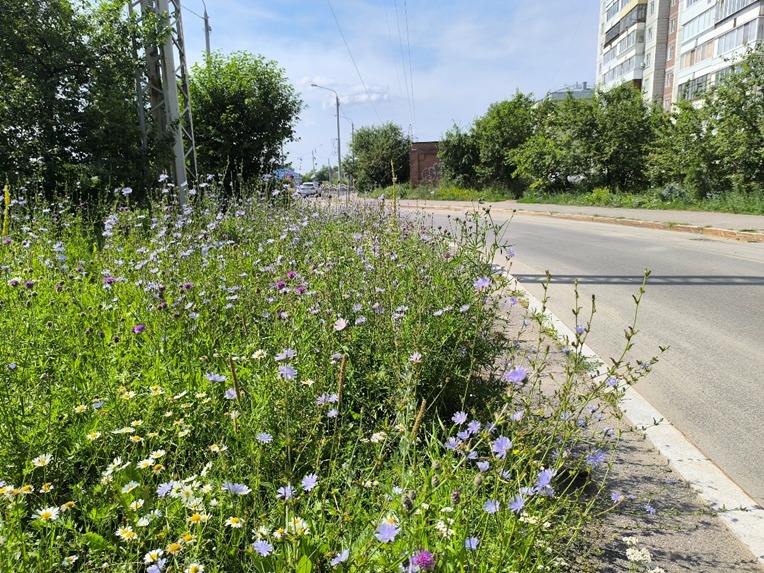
(307,189)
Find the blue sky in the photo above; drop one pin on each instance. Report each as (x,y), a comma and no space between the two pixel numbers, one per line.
(422,64)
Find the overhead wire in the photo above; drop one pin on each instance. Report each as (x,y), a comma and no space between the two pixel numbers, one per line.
(403,61)
(350,53)
(411,71)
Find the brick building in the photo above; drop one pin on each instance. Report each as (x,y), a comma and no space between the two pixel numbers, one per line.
(425,168)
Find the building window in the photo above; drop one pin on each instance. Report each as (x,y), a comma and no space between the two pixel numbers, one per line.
(672,25)
(648,60)
(669,83)
(652,7)
(670,53)
(649,33)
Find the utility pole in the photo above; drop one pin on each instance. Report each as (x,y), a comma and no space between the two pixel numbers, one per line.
(207,28)
(339,152)
(160,85)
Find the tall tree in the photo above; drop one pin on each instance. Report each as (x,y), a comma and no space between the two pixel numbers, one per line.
(505,126)
(459,155)
(379,150)
(244,110)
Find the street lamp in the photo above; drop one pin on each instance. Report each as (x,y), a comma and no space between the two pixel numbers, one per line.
(339,154)
(352,147)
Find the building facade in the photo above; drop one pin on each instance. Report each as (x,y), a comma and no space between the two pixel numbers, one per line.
(674,49)
(425,167)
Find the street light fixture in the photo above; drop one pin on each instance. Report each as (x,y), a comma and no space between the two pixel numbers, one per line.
(339,154)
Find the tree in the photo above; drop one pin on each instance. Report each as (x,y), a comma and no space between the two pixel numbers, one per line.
(505,126)
(374,148)
(735,118)
(459,155)
(244,110)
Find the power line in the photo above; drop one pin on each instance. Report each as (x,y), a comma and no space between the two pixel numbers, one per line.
(411,72)
(350,53)
(403,60)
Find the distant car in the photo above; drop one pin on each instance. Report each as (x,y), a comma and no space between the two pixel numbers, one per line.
(307,189)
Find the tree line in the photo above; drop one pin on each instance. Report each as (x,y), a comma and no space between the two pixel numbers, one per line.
(68,103)
(707,146)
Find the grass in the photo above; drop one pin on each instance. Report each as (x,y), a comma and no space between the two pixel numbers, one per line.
(253,385)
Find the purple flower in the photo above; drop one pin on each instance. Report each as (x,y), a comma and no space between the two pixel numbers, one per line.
(230,394)
(543,481)
(473,427)
(285,492)
(580,329)
(482,283)
(212,377)
(516,375)
(164,488)
(109,280)
(501,446)
(287,372)
(286,354)
(262,547)
(340,324)
(415,358)
(341,557)
(264,438)
(649,509)
(309,482)
(459,418)
(517,503)
(424,560)
(483,466)
(187,286)
(471,543)
(452,443)
(157,566)
(138,328)
(332,413)
(29,284)
(236,488)
(617,497)
(595,459)
(491,506)
(387,532)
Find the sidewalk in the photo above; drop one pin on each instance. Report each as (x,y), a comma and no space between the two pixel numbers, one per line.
(748,228)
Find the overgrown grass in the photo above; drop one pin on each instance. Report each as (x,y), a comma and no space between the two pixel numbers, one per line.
(671,198)
(263,387)
(445,192)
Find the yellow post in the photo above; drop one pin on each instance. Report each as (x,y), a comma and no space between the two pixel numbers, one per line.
(7,215)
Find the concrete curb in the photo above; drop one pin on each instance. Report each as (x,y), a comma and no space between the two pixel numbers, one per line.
(739,512)
(749,237)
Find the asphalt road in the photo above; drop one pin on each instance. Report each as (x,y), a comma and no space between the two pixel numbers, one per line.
(705,299)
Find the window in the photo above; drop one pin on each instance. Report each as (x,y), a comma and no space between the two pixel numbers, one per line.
(672,25)
(652,7)
(687,4)
(669,83)
(698,25)
(726,8)
(737,37)
(697,55)
(612,10)
(648,60)
(649,33)
(670,53)
(693,89)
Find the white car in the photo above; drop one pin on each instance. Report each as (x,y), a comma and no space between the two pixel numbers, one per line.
(307,189)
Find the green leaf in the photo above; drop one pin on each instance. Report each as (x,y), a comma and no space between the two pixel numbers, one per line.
(304,565)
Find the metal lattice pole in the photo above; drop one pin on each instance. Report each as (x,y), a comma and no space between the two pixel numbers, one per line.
(165,86)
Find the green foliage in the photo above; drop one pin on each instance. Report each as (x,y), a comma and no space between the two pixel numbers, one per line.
(459,157)
(379,151)
(244,111)
(67,97)
(505,126)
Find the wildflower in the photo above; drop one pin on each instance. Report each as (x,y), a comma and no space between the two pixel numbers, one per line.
(129,486)
(483,466)
(126,534)
(259,354)
(212,377)
(174,548)
(424,560)
(262,547)
(137,504)
(93,436)
(286,354)
(285,492)
(452,443)
(516,375)
(543,481)
(43,460)
(152,556)
(80,409)
(195,568)
(517,503)
(144,464)
(309,482)
(47,487)
(287,372)
(164,488)
(415,358)
(47,514)
(471,543)
(66,506)
(491,506)
(197,518)
(231,394)
(340,324)
(341,557)
(333,413)
(649,509)
(386,532)
(155,455)
(136,439)
(595,459)
(501,446)
(617,497)
(234,522)
(264,438)
(236,488)
(156,567)
(638,555)
(69,561)
(378,437)
(139,328)
(298,526)
(482,283)
(459,418)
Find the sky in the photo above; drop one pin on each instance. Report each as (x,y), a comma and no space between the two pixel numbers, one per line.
(425,65)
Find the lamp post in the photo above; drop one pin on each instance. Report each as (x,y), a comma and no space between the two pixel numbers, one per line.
(339,154)
(352,148)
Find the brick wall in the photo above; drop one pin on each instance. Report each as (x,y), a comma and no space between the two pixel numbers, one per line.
(424,163)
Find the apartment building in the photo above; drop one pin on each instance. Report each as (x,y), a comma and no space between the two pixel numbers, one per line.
(674,49)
